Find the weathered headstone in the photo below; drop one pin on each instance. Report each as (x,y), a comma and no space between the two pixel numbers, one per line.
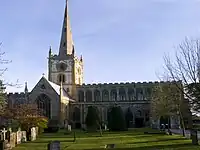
(4,133)
(105,127)
(33,134)
(10,129)
(18,137)
(12,139)
(55,145)
(65,124)
(194,137)
(7,145)
(69,128)
(110,146)
(24,139)
(1,136)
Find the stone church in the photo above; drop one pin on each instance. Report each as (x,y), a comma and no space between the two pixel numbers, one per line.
(64,96)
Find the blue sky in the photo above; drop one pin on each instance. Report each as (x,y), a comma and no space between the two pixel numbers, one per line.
(120,40)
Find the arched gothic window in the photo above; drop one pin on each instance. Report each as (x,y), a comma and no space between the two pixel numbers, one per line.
(44,105)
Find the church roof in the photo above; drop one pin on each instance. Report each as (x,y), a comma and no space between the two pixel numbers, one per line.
(54,86)
(57,89)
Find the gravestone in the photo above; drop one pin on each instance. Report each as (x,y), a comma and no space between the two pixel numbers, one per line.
(33,134)
(24,139)
(4,134)
(10,129)
(7,145)
(194,137)
(55,145)
(1,136)
(110,146)
(65,124)
(105,127)
(13,139)
(69,128)
(18,137)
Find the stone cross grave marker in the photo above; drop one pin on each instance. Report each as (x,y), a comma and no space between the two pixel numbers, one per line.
(4,133)
(55,145)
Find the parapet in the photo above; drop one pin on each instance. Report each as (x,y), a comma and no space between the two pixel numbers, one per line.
(145,83)
(16,94)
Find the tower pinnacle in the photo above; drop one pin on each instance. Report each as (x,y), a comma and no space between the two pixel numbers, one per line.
(66,43)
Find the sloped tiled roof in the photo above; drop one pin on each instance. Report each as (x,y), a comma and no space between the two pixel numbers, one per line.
(54,86)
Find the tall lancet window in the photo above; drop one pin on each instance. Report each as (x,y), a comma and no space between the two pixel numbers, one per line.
(61,78)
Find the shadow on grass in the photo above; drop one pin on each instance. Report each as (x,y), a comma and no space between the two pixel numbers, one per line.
(175,146)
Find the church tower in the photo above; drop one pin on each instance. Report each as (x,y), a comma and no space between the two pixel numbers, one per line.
(66,67)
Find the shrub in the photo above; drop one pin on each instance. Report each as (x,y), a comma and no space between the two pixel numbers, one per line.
(53,126)
(116,119)
(92,119)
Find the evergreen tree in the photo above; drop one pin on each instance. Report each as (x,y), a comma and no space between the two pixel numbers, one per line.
(116,119)
(128,117)
(92,118)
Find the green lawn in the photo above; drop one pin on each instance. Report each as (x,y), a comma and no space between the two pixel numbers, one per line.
(133,139)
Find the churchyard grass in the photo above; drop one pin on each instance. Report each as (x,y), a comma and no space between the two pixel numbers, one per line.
(128,140)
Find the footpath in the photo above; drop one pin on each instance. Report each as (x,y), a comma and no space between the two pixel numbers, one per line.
(187,132)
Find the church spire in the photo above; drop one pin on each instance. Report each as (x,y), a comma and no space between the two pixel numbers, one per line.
(26,88)
(66,43)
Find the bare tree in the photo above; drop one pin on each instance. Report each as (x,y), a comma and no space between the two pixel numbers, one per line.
(167,100)
(3,83)
(185,67)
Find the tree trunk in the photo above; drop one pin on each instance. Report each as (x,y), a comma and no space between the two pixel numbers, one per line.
(100,130)
(169,131)
(182,124)
(190,125)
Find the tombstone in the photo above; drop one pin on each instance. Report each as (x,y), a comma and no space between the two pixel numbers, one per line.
(110,146)
(1,136)
(12,139)
(7,145)
(10,129)
(105,127)
(18,137)
(69,128)
(24,139)
(194,137)
(33,134)
(4,131)
(65,124)
(55,145)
